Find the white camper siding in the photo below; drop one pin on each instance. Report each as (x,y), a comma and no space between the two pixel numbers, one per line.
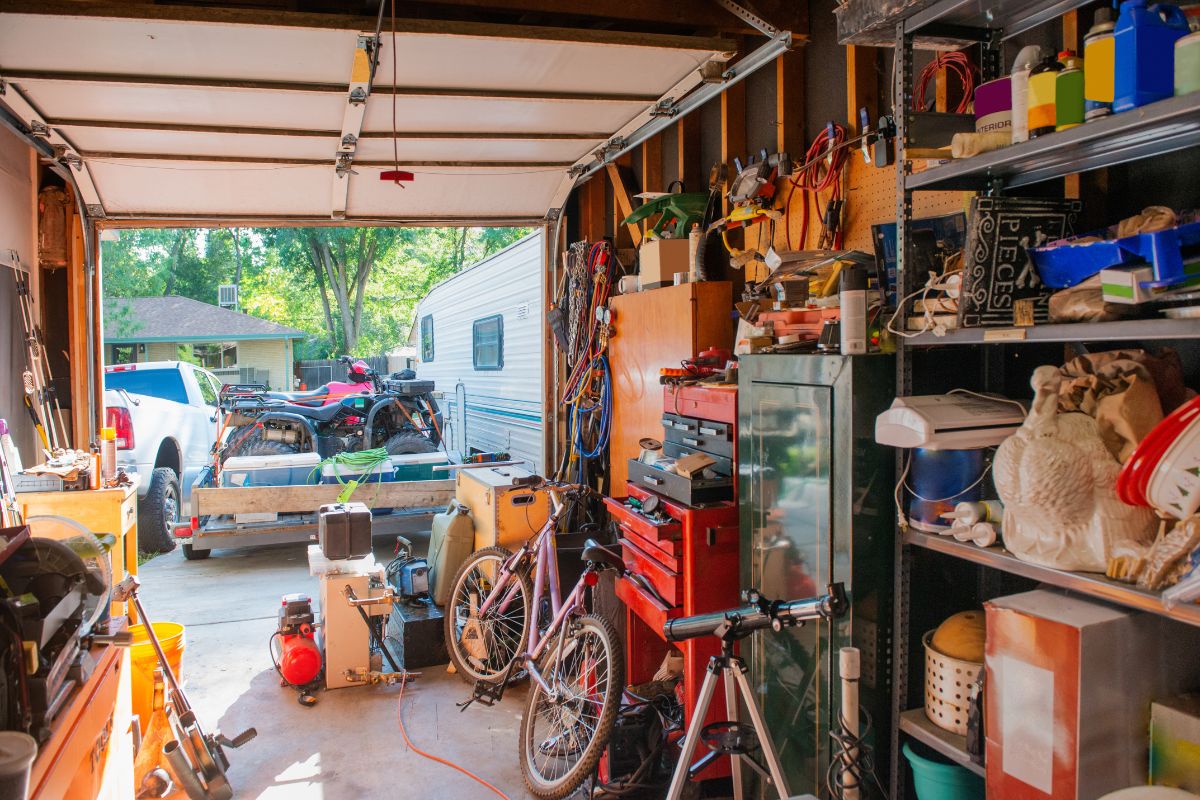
(504,406)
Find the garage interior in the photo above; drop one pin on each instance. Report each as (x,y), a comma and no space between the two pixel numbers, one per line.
(872,456)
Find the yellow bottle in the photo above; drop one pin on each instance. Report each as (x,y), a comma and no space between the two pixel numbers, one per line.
(1042,109)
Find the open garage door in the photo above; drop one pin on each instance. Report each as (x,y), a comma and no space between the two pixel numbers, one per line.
(207,115)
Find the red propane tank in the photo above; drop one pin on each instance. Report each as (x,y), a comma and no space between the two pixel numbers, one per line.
(300,660)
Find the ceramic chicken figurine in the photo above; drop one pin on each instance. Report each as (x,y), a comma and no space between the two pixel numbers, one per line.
(1056,479)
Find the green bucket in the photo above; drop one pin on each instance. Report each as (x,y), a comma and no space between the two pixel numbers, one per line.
(935,780)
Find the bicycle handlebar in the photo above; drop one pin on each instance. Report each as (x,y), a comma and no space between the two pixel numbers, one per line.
(757,614)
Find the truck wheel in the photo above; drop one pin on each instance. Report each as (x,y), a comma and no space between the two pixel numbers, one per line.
(409,442)
(255,445)
(194,554)
(158,512)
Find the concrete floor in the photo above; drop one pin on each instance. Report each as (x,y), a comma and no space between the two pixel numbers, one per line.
(347,747)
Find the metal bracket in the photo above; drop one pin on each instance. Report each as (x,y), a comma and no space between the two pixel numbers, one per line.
(344,165)
(94,210)
(552,216)
(72,160)
(664,108)
(349,140)
(3,87)
(39,129)
(750,18)
(358,95)
(576,170)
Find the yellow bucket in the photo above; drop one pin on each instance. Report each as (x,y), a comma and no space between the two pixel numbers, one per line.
(171,639)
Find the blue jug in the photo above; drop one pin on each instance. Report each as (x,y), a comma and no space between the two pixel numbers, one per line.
(1145,52)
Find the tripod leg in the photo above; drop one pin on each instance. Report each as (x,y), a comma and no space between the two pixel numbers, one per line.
(693,734)
(731,714)
(760,728)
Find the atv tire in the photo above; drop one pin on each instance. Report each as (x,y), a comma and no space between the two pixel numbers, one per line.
(158,512)
(409,442)
(256,445)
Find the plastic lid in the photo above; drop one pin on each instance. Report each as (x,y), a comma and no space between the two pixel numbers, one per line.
(108,434)
(1066,54)
(17,751)
(1102,15)
(854,278)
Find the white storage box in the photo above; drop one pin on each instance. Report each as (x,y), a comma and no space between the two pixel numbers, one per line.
(286,470)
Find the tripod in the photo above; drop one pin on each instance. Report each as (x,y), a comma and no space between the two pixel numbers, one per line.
(733,738)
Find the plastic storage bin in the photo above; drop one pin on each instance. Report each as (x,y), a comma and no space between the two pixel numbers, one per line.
(287,470)
(419,467)
(935,780)
(1063,265)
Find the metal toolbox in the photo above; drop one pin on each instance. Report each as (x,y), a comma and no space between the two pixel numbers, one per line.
(723,465)
(689,491)
(714,438)
(666,582)
(344,530)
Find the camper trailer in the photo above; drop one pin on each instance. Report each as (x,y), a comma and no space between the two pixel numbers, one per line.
(479,336)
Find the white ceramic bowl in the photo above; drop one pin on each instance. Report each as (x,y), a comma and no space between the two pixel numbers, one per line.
(1174,488)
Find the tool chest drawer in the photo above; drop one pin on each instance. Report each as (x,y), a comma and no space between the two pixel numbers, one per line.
(667,553)
(708,443)
(667,582)
(702,402)
(647,607)
(659,532)
(689,491)
(723,465)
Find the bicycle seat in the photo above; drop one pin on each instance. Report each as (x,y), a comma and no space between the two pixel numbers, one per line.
(596,553)
(318,393)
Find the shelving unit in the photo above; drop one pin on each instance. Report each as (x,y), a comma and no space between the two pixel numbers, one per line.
(1164,127)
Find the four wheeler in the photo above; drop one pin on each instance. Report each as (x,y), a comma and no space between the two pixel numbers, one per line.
(399,414)
(360,379)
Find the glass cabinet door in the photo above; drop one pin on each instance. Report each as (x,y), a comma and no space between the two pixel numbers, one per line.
(786,507)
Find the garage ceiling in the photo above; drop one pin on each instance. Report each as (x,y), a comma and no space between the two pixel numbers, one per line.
(192,113)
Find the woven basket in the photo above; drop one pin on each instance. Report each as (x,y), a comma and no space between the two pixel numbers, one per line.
(947,688)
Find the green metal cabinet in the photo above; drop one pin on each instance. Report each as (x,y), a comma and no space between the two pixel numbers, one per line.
(815,495)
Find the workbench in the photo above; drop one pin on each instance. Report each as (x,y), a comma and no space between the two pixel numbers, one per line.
(112,511)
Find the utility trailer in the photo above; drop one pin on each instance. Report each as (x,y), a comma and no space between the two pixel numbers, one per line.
(243,516)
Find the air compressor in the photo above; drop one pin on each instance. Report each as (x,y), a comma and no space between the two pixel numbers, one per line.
(294,649)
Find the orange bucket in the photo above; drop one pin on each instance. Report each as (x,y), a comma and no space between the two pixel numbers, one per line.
(145,662)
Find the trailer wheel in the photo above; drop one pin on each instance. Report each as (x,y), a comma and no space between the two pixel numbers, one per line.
(194,554)
(409,442)
(158,512)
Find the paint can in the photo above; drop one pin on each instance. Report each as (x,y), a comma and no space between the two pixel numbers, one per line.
(1068,92)
(1187,64)
(938,481)
(1042,111)
(993,106)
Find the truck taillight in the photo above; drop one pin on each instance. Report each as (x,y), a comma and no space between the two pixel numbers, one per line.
(121,420)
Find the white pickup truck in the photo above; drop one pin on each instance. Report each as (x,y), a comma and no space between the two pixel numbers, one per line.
(165,414)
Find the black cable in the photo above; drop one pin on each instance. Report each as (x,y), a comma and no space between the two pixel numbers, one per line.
(861,766)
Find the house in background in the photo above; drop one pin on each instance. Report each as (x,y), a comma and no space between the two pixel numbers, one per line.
(236,347)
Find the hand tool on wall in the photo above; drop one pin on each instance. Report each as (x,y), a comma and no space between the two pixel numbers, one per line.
(37,379)
(197,759)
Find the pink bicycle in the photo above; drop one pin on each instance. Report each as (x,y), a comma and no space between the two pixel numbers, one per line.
(575,663)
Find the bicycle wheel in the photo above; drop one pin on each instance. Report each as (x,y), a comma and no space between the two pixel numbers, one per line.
(481,646)
(562,736)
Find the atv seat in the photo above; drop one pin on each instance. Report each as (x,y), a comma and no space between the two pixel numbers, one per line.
(596,553)
(318,394)
(316,413)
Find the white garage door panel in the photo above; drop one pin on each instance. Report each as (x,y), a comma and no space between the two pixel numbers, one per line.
(567,150)
(245,52)
(114,140)
(187,106)
(170,187)
(468,192)
(420,114)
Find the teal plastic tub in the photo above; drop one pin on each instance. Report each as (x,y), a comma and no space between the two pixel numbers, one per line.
(936,780)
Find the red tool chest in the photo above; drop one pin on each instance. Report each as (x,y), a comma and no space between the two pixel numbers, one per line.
(692,563)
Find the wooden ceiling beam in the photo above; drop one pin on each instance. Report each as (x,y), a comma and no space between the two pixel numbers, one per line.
(102,155)
(674,13)
(274,18)
(179,82)
(242,130)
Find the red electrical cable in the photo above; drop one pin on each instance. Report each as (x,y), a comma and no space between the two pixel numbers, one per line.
(822,169)
(956,62)
(452,765)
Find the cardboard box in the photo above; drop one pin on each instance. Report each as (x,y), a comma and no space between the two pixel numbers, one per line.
(1069,687)
(1175,742)
(660,259)
(1124,285)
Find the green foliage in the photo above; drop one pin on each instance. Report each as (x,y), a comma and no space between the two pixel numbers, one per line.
(306,278)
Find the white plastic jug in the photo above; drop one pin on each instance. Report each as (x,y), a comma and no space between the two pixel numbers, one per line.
(450,543)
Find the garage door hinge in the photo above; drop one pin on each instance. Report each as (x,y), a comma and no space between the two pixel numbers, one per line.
(664,108)
(552,216)
(95,211)
(39,129)
(3,87)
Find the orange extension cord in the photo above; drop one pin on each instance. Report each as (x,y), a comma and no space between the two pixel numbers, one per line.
(450,764)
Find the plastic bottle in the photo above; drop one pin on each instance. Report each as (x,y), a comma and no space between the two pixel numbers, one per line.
(1187,64)
(1042,111)
(1068,92)
(11,454)
(108,454)
(694,236)
(1145,39)
(852,298)
(1027,59)
(1099,66)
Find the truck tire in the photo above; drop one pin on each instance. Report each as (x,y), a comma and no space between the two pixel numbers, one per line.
(195,554)
(158,512)
(256,445)
(409,442)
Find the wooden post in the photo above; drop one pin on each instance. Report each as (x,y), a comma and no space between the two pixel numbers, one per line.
(862,84)
(790,104)
(733,131)
(690,170)
(591,209)
(652,170)
(623,201)
(78,354)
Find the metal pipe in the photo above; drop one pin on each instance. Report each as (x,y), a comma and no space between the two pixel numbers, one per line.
(387,598)
(183,771)
(481,465)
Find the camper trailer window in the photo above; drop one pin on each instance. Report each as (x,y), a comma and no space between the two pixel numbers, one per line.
(427,338)
(487,342)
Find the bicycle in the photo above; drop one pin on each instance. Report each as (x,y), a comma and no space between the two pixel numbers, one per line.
(575,664)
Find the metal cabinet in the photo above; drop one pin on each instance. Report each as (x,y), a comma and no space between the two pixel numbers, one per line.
(815,497)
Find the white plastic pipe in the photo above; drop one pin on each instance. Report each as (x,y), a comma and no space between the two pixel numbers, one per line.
(849,665)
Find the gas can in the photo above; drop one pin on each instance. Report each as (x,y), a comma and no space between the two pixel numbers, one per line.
(450,543)
(1042,81)
(1099,47)
(1068,92)
(1145,39)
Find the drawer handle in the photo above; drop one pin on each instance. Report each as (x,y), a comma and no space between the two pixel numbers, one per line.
(523,499)
(652,480)
(690,441)
(710,431)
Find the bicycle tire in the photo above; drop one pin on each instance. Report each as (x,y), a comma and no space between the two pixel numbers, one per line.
(614,681)
(453,625)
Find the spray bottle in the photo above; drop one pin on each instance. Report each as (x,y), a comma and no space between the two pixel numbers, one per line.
(853,317)
(108,454)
